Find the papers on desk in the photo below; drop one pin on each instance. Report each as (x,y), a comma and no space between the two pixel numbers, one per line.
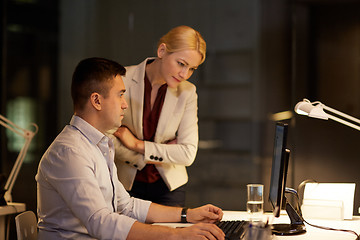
(328,200)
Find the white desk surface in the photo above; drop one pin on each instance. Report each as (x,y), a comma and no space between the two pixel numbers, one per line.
(312,233)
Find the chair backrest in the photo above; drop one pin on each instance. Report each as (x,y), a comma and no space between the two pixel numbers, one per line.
(26,226)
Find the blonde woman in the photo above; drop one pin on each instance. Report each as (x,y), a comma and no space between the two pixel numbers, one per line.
(159,135)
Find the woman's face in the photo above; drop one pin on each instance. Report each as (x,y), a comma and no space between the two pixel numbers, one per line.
(178,66)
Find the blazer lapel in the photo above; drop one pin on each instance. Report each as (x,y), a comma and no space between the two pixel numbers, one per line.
(136,96)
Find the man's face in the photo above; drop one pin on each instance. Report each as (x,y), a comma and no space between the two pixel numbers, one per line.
(114,105)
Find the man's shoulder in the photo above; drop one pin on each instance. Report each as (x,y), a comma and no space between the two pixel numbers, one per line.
(70,139)
(68,145)
(69,134)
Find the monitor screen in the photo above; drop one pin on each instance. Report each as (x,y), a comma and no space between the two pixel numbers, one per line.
(279,168)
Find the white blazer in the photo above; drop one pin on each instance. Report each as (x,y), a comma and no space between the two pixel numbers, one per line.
(178,119)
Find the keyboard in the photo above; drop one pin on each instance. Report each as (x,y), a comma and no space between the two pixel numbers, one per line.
(234,230)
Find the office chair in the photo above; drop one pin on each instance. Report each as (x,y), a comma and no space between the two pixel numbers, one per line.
(26,226)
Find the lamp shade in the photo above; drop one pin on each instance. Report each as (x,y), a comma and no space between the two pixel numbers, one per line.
(305,107)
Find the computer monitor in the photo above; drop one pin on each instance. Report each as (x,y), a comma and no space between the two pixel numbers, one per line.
(279,169)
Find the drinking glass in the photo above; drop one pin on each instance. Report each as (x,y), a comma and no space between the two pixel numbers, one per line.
(255,201)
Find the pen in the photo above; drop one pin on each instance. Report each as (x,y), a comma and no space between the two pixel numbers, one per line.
(250,230)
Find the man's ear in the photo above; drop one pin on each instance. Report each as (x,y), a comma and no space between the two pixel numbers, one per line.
(95,100)
(161,51)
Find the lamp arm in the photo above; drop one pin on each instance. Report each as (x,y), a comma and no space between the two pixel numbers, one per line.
(28,136)
(344,115)
(344,122)
(11,128)
(15,171)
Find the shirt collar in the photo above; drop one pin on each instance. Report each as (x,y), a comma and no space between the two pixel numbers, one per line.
(94,135)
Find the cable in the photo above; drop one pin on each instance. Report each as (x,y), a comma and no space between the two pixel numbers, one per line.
(332,229)
(321,227)
(302,186)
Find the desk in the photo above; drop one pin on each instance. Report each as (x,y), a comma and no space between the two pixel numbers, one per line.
(312,233)
(11,208)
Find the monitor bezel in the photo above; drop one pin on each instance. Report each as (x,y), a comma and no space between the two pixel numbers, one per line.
(279,168)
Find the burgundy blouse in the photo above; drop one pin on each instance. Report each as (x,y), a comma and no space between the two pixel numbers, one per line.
(149,173)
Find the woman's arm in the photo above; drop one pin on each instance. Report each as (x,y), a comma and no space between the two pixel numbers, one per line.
(128,139)
(185,132)
(180,144)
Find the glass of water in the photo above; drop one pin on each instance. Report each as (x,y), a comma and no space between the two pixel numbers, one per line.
(255,201)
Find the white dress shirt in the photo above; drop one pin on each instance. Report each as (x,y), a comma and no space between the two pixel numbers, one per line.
(79,194)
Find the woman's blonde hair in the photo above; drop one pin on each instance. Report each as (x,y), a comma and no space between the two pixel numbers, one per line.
(184,38)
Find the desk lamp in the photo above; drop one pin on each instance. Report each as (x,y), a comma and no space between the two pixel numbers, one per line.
(5,194)
(316,110)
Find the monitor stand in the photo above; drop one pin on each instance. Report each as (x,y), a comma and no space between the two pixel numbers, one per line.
(296,226)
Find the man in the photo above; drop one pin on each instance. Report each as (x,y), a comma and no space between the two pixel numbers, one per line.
(79,194)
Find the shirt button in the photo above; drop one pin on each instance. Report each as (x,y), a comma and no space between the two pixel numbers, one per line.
(135,165)
(127,162)
(160,159)
(156,158)
(152,157)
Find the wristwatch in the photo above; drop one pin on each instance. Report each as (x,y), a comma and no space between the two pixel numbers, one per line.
(184,214)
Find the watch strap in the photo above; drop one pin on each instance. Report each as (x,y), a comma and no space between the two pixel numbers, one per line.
(184,215)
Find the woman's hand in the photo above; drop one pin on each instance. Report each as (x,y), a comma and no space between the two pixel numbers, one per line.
(128,139)
(174,141)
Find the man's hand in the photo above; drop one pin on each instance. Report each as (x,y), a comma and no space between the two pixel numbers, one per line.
(207,213)
(201,231)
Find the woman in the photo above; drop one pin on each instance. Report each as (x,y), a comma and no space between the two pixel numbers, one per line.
(159,135)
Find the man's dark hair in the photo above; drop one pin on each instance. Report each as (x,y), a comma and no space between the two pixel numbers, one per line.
(93,75)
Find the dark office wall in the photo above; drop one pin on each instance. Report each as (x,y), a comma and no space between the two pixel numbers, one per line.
(275,75)
(328,66)
(29,47)
(28,91)
(314,46)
